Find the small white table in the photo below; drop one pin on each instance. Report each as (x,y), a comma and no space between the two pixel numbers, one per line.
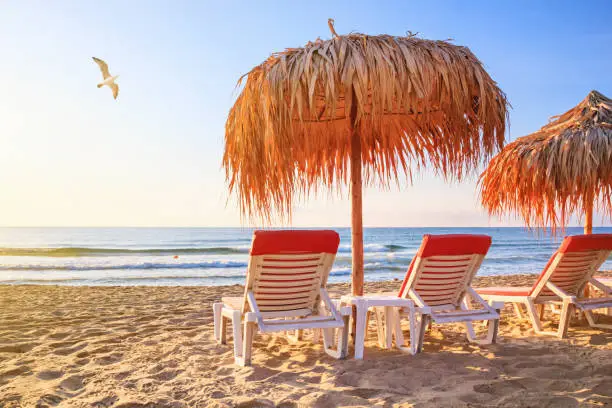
(388,307)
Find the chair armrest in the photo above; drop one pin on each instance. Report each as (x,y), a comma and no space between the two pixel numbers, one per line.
(345,310)
(250,317)
(425,310)
(497,304)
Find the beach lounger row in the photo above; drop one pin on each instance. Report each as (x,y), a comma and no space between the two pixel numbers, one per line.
(286,291)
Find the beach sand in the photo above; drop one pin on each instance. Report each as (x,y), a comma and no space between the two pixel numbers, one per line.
(153,347)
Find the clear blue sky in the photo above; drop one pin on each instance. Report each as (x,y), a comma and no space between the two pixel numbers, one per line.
(71,155)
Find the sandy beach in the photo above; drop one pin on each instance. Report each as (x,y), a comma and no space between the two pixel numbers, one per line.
(154,347)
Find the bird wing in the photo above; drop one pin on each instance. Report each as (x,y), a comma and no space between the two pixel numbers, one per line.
(103,67)
(115,89)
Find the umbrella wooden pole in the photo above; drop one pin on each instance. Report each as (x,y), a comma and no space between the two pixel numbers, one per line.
(588,217)
(356,212)
(356,204)
(588,229)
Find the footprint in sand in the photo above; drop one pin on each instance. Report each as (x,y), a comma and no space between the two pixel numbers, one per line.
(527,364)
(59,335)
(105,402)
(69,350)
(10,400)
(499,388)
(81,361)
(604,370)
(366,393)
(556,372)
(109,359)
(99,350)
(49,375)
(217,395)
(63,344)
(18,348)
(49,400)
(167,375)
(37,333)
(255,403)
(604,388)
(73,383)
(147,386)
(14,372)
(122,375)
(222,371)
(600,339)
(310,379)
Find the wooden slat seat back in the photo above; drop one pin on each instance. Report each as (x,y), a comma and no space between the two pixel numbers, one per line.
(571,267)
(443,268)
(287,269)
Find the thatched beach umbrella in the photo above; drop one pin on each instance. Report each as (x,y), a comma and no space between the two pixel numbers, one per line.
(563,168)
(320,115)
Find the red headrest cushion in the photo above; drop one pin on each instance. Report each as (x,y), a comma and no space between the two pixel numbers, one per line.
(592,242)
(294,241)
(454,244)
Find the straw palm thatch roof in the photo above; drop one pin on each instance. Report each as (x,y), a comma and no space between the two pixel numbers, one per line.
(412,101)
(563,168)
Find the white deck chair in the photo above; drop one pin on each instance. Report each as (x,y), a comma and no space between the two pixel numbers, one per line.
(562,283)
(285,291)
(606,281)
(439,279)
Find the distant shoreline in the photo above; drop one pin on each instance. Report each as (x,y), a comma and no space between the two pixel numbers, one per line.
(522,279)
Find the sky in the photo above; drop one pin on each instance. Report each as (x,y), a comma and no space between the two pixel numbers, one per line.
(70,155)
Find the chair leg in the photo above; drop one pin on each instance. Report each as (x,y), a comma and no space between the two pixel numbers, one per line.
(316,335)
(247,344)
(399,336)
(590,318)
(517,310)
(224,321)
(388,327)
(340,351)
(295,336)
(471,334)
(360,329)
(328,339)
(237,331)
(380,325)
(494,325)
(343,337)
(541,309)
(217,307)
(425,322)
(533,316)
(493,330)
(564,319)
(469,326)
(491,337)
(397,326)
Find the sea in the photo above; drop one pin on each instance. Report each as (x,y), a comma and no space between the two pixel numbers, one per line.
(219,256)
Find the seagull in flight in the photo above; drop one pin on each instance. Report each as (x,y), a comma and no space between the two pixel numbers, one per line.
(109,80)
